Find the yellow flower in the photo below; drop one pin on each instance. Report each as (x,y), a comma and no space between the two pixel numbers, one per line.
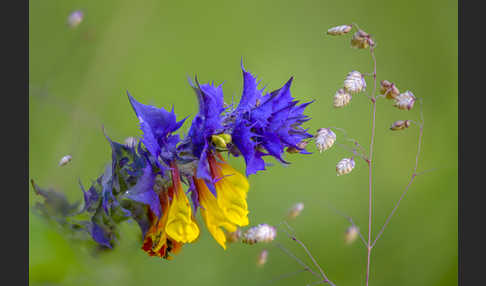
(177,224)
(228,209)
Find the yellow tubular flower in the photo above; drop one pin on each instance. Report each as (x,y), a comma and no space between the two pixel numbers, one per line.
(229,209)
(212,215)
(181,225)
(232,189)
(156,240)
(177,224)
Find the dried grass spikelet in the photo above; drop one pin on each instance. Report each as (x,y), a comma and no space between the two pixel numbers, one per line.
(65,160)
(342,98)
(354,82)
(339,30)
(351,234)
(405,101)
(361,40)
(295,210)
(259,233)
(400,125)
(75,18)
(262,257)
(345,166)
(388,89)
(324,139)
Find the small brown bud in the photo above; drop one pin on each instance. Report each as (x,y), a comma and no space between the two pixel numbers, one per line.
(292,150)
(400,125)
(300,146)
(389,89)
(361,40)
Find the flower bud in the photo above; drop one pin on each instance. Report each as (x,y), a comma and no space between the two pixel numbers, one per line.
(300,146)
(221,140)
(345,166)
(389,89)
(65,160)
(354,82)
(405,100)
(295,210)
(325,138)
(75,18)
(131,142)
(351,234)
(361,40)
(400,125)
(259,233)
(342,98)
(339,30)
(262,257)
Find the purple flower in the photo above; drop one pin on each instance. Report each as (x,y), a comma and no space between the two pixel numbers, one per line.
(261,125)
(143,191)
(265,125)
(206,123)
(144,182)
(157,125)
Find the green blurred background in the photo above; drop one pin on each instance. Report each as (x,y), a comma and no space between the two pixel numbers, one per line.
(78,78)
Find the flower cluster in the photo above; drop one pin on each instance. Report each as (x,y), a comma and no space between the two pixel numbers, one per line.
(145,180)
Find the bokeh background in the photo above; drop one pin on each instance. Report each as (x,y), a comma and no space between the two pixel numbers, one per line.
(77,82)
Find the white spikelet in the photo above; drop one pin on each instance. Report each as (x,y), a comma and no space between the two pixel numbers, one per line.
(342,98)
(339,30)
(345,166)
(325,138)
(405,100)
(259,233)
(354,82)
(65,160)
